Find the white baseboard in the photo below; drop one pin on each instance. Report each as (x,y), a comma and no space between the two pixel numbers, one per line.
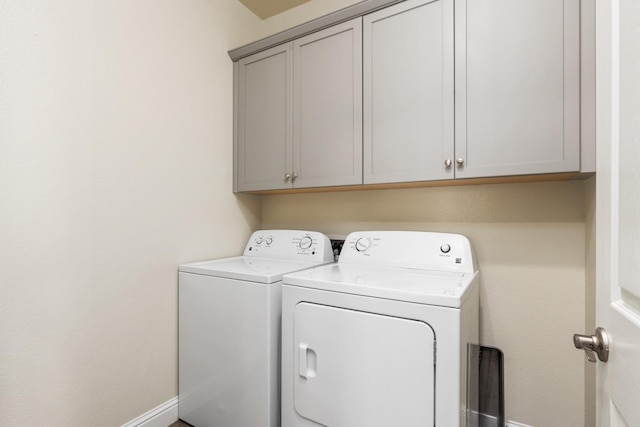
(161,416)
(516,424)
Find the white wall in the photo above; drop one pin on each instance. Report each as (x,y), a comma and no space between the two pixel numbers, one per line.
(115,166)
(529,240)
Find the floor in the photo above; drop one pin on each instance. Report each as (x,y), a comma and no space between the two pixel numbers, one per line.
(180,424)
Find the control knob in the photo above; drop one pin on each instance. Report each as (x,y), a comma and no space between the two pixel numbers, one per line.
(305,242)
(362,244)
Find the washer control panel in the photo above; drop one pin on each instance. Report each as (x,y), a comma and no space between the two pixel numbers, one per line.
(409,249)
(289,244)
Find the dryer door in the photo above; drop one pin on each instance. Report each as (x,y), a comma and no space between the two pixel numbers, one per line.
(357,369)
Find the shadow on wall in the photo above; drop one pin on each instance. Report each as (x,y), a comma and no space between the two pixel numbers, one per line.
(555,202)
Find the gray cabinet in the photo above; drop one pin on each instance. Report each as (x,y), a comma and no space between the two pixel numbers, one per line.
(408,92)
(517,87)
(264,132)
(371,100)
(327,107)
(299,112)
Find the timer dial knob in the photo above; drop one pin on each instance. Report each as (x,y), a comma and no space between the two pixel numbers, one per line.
(259,240)
(305,242)
(362,244)
(269,240)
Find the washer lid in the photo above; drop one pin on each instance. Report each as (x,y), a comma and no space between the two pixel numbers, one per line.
(441,288)
(248,268)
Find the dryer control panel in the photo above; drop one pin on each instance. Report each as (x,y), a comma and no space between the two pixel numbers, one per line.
(290,244)
(409,249)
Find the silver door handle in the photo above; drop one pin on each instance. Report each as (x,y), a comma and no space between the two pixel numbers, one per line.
(459,161)
(447,163)
(287,176)
(593,345)
(293,176)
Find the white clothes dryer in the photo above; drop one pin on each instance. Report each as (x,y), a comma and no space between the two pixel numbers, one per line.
(380,339)
(229,329)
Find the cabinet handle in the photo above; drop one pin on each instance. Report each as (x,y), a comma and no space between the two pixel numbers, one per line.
(459,161)
(447,163)
(287,176)
(293,176)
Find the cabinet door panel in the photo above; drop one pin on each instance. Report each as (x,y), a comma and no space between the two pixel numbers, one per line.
(328,107)
(408,92)
(264,119)
(517,87)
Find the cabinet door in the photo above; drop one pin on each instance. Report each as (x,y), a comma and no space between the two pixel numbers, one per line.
(517,87)
(264,114)
(327,145)
(408,92)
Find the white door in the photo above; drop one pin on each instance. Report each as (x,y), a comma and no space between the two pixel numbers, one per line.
(618,209)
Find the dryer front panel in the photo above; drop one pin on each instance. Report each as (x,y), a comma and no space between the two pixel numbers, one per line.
(355,369)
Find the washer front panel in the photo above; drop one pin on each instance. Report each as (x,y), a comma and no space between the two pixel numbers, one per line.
(228,351)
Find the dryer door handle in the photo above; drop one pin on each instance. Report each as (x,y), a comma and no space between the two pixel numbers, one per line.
(307,361)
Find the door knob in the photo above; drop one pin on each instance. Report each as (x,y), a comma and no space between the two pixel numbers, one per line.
(593,345)
(286,177)
(459,161)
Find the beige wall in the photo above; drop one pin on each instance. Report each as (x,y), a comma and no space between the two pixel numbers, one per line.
(529,240)
(303,13)
(590,297)
(115,166)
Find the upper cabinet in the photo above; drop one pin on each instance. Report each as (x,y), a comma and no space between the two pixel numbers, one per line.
(517,87)
(408,92)
(299,112)
(327,107)
(417,91)
(264,106)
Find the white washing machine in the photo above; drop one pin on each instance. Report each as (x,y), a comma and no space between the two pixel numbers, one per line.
(229,329)
(381,338)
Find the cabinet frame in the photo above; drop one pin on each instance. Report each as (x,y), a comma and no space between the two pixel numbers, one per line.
(578,97)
